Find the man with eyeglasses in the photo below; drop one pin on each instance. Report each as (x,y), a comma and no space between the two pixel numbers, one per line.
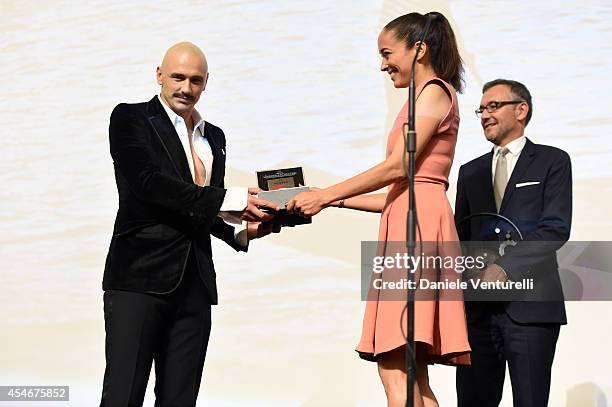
(531,185)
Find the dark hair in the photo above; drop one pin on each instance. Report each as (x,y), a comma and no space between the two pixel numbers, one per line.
(519,91)
(440,40)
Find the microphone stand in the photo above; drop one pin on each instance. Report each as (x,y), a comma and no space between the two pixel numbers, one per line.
(411,220)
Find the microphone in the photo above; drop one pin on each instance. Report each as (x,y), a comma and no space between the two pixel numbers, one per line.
(411,88)
(411,218)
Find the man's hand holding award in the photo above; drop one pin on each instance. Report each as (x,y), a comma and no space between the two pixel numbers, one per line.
(280,187)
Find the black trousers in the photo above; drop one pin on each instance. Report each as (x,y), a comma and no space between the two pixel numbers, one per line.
(496,339)
(172,329)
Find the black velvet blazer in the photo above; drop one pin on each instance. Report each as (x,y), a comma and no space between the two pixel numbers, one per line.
(162,214)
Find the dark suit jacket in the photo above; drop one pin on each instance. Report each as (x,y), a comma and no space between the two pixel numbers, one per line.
(163,215)
(542,212)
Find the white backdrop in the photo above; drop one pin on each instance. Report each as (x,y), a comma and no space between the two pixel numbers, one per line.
(291,83)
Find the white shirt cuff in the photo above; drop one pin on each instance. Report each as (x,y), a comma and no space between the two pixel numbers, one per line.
(235,200)
(234,203)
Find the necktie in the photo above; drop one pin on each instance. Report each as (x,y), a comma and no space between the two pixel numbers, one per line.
(198,168)
(501,177)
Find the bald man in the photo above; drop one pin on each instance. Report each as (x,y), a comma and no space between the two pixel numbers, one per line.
(159,278)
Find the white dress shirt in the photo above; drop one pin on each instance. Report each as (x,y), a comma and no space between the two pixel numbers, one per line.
(235,198)
(514,151)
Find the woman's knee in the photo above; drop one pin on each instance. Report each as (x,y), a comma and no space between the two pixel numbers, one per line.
(393,375)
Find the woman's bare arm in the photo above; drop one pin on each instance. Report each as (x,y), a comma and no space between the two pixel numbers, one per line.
(432,106)
(367,202)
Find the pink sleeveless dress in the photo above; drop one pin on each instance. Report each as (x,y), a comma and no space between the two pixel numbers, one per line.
(439,324)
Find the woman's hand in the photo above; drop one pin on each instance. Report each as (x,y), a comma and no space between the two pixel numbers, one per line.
(308,204)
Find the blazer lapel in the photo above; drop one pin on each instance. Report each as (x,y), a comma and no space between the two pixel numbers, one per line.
(521,166)
(216,178)
(167,135)
(487,187)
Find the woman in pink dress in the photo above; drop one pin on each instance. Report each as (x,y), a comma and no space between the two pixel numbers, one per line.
(440,326)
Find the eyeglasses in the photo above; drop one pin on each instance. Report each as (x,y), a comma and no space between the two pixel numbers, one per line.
(493,106)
